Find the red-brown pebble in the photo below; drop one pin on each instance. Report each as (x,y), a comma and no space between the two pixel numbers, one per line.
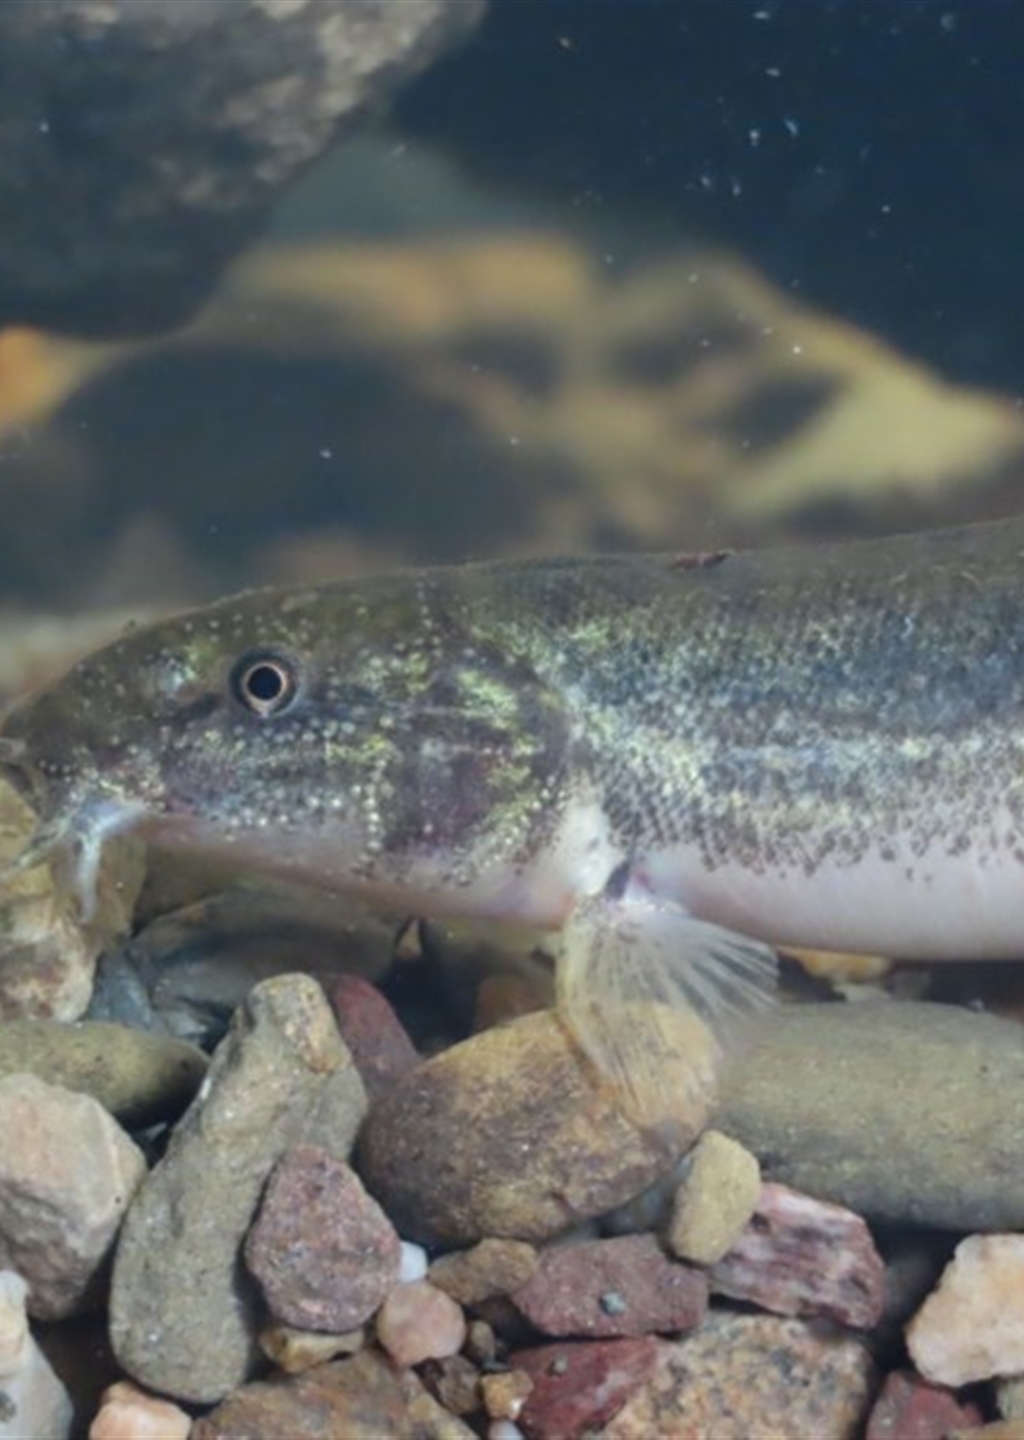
(578,1387)
(909,1408)
(323,1251)
(622,1286)
(373,1033)
(419,1322)
(801,1256)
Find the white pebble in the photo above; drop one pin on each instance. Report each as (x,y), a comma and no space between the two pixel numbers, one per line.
(504,1430)
(413,1264)
(971,1326)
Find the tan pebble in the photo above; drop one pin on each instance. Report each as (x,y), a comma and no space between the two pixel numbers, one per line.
(294,1351)
(715,1200)
(840,966)
(506,1393)
(419,1322)
(524,1141)
(492,1267)
(481,1342)
(456,1383)
(971,1327)
(128,1413)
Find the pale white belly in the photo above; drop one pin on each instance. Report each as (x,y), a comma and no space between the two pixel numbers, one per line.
(932,907)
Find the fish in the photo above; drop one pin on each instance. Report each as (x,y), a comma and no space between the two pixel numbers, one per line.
(675,764)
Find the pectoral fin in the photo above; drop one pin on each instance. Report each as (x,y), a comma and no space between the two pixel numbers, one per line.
(654,998)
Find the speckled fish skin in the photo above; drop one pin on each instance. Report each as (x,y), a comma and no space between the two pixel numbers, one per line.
(820,746)
(669,760)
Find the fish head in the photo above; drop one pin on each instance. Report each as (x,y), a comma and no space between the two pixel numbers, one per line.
(362,734)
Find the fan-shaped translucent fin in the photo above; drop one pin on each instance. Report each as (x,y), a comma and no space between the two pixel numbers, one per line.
(654,997)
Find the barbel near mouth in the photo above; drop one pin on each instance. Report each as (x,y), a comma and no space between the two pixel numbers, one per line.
(43,843)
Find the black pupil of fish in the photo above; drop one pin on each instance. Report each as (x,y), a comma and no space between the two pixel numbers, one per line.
(265,686)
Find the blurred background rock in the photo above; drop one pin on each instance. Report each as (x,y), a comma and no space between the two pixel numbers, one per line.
(678,274)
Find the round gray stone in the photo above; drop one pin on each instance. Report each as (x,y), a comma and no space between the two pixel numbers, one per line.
(904,1111)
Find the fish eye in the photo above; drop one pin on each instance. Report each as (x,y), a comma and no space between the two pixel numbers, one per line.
(264,683)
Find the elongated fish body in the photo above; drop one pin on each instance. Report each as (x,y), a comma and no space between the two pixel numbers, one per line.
(818,746)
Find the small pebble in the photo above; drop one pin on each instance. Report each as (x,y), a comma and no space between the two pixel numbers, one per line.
(505,1393)
(972,1326)
(323,1251)
(909,1408)
(456,1383)
(128,1413)
(67,1175)
(481,1342)
(412,1264)
(294,1351)
(801,1256)
(504,1430)
(743,1376)
(362,1398)
(418,1322)
(715,1199)
(621,1286)
(33,1401)
(492,1267)
(578,1387)
(380,1047)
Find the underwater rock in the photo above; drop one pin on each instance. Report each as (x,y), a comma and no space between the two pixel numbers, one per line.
(738,1373)
(363,1398)
(139,1078)
(418,1322)
(145,143)
(295,1351)
(34,1402)
(494,1267)
(183,1311)
(67,1175)
(909,1408)
(801,1256)
(578,1387)
(602,1288)
(904,1111)
(323,1251)
(971,1326)
(195,960)
(507,1134)
(128,1413)
(715,1199)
